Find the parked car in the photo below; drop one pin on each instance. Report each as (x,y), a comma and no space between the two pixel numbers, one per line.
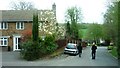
(71,48)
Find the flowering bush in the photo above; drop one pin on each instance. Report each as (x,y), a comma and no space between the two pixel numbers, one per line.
(26,35)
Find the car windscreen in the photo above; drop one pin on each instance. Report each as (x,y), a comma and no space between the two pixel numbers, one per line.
(69,46)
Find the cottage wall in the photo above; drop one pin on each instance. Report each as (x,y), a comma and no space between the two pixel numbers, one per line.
(12,30)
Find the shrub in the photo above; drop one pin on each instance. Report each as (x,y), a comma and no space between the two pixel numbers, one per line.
(48,46)
(114,52)
(30,51)
(26,35)
(110,47)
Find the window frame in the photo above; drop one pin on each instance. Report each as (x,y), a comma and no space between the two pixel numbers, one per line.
(18,25)
(3,25)
(3,39)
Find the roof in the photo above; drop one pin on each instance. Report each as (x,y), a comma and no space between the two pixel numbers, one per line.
(26,15)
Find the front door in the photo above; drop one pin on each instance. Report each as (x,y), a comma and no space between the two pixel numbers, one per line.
(16,43)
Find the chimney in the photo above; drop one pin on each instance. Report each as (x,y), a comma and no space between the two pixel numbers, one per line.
(54,8)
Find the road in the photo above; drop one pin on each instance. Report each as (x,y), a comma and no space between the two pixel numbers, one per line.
(103,58)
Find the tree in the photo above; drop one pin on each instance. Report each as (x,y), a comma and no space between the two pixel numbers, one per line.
(49,25)
(22,6)
(118,33)
(111,23)
(60,31)
(94,32)
(35,27)
(31,48)
(73,16)
(68,30)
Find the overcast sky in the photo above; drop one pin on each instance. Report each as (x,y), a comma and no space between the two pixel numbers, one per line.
(92,10)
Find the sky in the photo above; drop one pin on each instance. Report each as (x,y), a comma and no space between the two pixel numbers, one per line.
(92,10)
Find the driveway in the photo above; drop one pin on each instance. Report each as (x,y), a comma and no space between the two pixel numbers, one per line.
(103,58)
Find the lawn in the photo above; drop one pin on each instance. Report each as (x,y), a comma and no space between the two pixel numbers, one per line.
(83,31)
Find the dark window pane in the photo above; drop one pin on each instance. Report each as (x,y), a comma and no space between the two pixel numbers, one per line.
(2,25)
(5,42)
(18,25)
(1,41)
(21,25)
(5,38)
(19,47)
(5,25)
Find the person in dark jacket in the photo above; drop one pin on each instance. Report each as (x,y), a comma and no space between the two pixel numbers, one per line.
(93,51)
(79,49)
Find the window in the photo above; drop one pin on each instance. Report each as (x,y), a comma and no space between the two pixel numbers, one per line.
(3,25)
(3,41)
(19,25)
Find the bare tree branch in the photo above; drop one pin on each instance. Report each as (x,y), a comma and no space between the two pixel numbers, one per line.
(22,6)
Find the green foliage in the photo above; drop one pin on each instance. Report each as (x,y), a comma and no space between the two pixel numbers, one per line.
(83,31)
(30,51)
(35,27)
(114,52)
(68,29)
(60,31)
(94,32)
(110,47)
(34,50)
(48,46)
(74,30)
(118,46)
(80,33)
(73,17)
(111,23)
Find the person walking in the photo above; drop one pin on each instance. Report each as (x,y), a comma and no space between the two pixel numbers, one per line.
(94,47)
(79,49)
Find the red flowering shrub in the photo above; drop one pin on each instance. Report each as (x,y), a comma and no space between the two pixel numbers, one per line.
(26,35)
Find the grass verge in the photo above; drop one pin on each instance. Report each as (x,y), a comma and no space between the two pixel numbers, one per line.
(54,54)
(57,52)
(114,52)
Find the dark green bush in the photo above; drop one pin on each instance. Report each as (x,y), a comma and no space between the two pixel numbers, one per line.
(30,51)
(48,46)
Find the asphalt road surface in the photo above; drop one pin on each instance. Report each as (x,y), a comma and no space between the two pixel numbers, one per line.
(103,58)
